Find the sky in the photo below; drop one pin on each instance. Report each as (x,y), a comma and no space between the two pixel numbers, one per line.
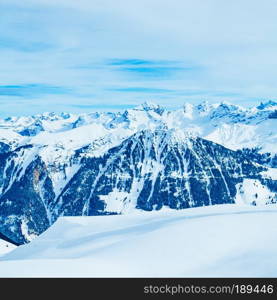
(78,56)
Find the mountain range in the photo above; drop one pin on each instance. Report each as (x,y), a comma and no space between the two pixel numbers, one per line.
(145,158)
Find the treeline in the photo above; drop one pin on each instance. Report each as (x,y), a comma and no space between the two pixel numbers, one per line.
(255,155)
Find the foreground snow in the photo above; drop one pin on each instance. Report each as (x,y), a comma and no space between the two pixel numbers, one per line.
(5,247)
(218,241)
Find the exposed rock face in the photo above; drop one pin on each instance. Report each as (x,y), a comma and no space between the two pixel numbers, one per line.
(26,198)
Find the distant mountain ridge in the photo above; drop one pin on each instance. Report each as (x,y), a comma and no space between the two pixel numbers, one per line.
(210,121)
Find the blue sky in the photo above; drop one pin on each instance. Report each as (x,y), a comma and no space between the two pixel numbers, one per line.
(67,55)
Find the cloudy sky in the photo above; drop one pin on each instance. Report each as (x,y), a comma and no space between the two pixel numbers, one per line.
(69,55)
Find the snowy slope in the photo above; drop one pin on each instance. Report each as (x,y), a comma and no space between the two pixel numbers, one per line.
(6,247)
(218,241)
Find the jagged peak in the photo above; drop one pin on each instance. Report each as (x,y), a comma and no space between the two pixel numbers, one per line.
(229,106)
(150,106)
(267,104)
(204,106)
(163,136)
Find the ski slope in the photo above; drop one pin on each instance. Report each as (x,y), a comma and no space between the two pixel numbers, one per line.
(217,241)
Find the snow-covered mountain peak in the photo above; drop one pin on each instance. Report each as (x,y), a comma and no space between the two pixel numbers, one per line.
(160,137)
(205,107)
(150,106)
(267,105)
(225,109)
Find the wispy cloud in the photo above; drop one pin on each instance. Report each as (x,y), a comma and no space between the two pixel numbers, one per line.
(24,46)
(153,72)
(116,107)
(139,90)
(138,62)
(151,69)
(31,90)
(175,92)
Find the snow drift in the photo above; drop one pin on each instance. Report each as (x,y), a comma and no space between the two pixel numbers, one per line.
(216,241)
